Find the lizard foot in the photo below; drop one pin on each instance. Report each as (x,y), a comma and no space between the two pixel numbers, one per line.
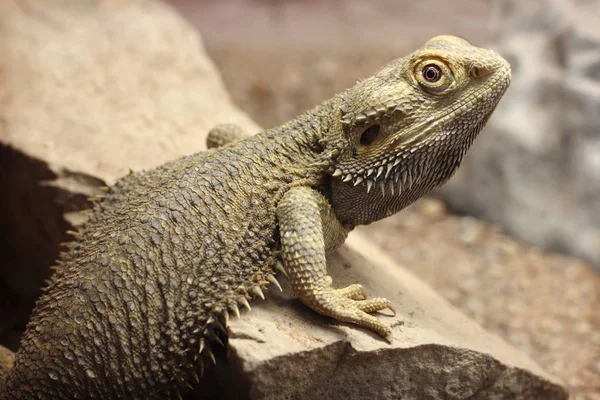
(349,304)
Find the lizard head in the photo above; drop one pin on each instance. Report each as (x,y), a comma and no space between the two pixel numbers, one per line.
(406,129)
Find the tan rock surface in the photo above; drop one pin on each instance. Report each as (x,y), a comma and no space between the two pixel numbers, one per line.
(281,350)
(97,87)
(544,304)
(92,89)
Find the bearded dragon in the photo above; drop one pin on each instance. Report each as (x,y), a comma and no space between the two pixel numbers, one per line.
(148,284)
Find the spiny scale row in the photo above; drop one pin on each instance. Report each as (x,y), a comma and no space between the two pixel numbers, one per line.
(378,168)
(403,179)
(214,324)
(219,321)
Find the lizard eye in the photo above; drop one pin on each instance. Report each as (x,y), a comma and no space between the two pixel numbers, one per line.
(432,73)
(434,76)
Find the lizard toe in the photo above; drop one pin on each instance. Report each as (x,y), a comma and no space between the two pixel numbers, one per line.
(354,292)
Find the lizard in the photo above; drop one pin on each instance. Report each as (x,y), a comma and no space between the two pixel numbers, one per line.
(147,286)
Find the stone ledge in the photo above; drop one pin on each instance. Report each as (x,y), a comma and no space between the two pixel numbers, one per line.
(283,350)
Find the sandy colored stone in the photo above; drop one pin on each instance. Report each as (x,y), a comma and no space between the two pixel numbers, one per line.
(542,303)
(98,87)
(283,350)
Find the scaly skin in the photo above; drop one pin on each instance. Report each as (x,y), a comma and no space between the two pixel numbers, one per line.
(144,289)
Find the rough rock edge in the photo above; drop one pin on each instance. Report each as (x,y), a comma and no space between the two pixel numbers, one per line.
(283,350)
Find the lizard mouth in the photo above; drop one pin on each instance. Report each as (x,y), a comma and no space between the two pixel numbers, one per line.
(391,173)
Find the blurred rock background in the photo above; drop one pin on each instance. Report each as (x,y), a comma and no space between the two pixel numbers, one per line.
(533,176)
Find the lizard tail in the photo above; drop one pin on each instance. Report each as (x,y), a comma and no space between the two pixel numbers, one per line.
(7,359)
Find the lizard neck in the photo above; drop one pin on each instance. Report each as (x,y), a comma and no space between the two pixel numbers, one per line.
(311,140)
(313,128)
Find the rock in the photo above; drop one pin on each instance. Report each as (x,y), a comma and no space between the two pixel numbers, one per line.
(536,168)
(507,286)
(281,350)
(99,87)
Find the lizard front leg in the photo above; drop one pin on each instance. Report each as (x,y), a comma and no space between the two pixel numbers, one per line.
(308,228)
(224,134)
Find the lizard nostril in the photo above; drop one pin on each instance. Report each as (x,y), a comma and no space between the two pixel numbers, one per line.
(369,135)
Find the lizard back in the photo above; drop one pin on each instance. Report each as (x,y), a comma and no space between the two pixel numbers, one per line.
(137,298)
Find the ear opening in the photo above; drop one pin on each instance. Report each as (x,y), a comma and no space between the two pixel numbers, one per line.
(369,135)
